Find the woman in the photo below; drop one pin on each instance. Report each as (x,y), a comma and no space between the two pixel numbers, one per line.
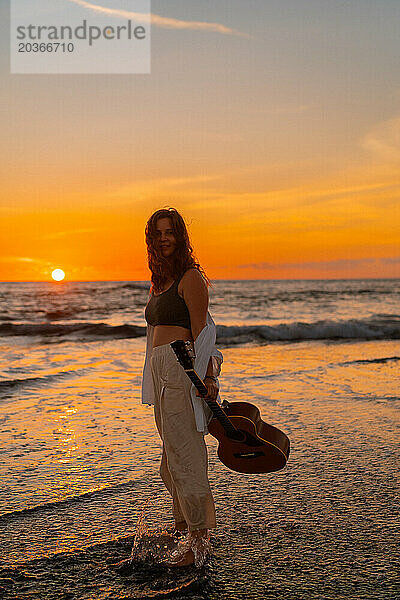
(178,310)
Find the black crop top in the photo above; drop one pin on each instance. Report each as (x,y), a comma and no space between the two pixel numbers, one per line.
(168,308)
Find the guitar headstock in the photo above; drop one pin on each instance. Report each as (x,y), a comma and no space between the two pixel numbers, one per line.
(184,353)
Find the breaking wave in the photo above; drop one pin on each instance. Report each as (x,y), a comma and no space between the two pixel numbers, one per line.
(364,329)
(378,327)
(78,331)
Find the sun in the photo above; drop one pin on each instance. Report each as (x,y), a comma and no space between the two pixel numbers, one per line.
(58,275)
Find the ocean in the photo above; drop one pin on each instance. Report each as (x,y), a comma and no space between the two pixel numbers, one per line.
(80,454)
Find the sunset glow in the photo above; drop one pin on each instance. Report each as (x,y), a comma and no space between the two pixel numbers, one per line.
(280,148)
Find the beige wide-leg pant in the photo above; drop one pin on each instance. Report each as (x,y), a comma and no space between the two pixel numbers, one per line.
(184,463)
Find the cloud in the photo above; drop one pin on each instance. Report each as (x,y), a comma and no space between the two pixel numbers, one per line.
(272,203)
(268,199)
(326,264)
(341,204)
(16,258)
(384,140)
(60,234)
(13,259)
(390,260)
(159,21)
(149,186)
(293,109)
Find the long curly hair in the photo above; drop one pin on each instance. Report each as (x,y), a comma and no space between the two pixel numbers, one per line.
(183,257)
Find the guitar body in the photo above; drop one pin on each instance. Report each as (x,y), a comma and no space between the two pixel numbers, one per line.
(246,443)
(262,449)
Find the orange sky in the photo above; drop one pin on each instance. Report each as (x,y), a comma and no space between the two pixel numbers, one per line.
(280,148)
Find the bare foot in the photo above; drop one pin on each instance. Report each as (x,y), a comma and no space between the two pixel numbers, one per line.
(194,549)
(186,560)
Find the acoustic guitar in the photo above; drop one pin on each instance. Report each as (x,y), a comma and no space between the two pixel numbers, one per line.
(246,443)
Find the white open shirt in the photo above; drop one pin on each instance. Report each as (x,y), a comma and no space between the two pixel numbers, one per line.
(204,347)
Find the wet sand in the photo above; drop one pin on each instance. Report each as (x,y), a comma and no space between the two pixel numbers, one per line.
(326,526)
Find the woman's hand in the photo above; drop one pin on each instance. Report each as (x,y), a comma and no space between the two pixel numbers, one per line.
(212,389)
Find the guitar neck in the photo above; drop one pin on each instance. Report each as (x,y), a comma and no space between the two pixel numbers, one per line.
(217,411)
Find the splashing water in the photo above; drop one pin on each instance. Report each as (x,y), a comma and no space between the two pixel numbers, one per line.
(150,546)
(164,547)
(142,550)
(199,545)
(153,550)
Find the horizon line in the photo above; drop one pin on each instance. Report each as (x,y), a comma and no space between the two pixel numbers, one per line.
(237,279)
